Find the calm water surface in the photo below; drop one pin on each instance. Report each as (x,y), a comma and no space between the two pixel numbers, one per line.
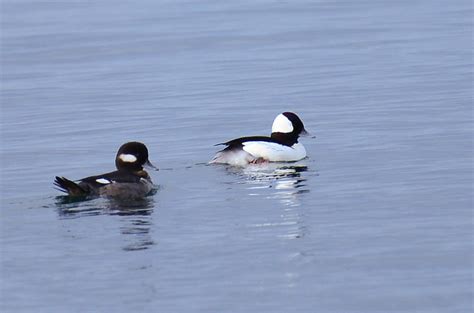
(377,219)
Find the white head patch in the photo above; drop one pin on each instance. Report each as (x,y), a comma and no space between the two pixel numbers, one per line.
(282,124)
(129,158)
(103,181)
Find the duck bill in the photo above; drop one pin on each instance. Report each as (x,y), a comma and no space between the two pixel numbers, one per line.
(305,133)
(150,166)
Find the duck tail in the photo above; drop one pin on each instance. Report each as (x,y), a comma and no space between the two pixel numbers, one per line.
(69,187)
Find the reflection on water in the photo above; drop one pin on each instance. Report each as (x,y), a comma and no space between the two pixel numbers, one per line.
(71,207)
(135,224)
(283,183)
(138,232)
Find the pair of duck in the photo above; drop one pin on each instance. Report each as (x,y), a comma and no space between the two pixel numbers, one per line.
(130,180)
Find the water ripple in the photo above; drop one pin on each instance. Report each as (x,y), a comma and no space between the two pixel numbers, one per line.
(281,182)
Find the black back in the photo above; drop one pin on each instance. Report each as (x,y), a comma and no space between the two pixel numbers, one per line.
(238,143)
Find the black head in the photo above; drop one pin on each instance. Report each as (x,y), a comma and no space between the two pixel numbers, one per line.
(287,127)
(132,156)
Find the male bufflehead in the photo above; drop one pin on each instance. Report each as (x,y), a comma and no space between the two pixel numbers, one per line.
(281,146)
(130,180)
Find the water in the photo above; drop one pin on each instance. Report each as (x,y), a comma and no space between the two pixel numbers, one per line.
(377,219)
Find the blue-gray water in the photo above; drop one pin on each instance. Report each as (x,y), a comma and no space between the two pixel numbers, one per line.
(377,219)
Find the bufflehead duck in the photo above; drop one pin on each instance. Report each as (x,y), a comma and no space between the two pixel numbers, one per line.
(281,146)
(130,180)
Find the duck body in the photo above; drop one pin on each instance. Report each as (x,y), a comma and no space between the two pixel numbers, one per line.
(255,149)
(130,180)
(114,184)
(281,146)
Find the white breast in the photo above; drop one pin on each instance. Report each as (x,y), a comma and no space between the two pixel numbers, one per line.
(275,152)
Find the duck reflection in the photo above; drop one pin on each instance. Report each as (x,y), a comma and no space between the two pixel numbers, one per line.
(283,183)
(136,218)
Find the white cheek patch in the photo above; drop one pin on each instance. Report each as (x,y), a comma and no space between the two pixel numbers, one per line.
(282,124)
(103,181)
(129,158)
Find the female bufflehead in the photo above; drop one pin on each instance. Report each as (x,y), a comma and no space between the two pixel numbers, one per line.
(281,146)
(130,180)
